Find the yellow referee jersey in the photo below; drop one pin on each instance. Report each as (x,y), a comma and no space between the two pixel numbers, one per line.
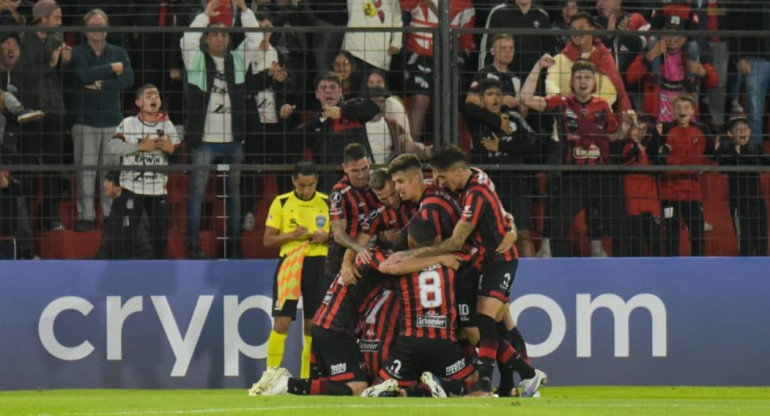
(289,211)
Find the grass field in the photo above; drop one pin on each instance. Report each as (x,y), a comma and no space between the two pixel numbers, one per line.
(628,401)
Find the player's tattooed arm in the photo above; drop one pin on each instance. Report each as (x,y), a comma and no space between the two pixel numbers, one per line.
(341,236)
(416,264)
(462,231)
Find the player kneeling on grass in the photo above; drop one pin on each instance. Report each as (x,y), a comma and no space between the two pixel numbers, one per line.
(426,357)
(334,326)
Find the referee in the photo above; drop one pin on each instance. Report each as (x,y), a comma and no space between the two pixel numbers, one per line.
(294,218)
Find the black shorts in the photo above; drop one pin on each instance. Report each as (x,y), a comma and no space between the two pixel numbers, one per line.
(466,294)
(496,279)
(418,75)
(337,355)
(411,356)
(314,287)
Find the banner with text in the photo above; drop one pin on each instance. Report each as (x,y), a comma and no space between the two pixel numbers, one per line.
(204,324)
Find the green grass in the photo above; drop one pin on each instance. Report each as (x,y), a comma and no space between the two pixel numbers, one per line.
(625,401)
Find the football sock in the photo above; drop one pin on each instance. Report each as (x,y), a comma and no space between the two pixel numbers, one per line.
(456,387)
(514,336)
(305,373)
(487,351)
(275,348)
(322,386)
(507,355)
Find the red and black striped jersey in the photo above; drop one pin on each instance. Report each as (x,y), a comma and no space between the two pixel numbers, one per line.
(385,218)
(428,303)
(440,208)
(377,329)
(341,305)
(482,208)
(352,205)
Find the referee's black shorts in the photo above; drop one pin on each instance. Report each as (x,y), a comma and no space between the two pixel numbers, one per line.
(314,287)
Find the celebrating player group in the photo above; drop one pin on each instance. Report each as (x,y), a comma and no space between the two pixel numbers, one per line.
(418,277)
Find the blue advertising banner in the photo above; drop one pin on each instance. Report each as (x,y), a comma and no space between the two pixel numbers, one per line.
(204,324)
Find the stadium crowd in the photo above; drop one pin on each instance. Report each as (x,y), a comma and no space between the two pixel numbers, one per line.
(692,96)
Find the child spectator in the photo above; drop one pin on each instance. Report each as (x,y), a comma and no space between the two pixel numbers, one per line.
(121,236)
(681,142)
(146,140)
(642,200)
(747,204)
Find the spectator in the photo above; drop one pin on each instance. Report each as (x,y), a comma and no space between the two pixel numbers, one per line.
(681,142)
(503,52)
(40,82)
(395,113)
(270,85)
(101,71)
(338,124)
(146,140)
(9,13)
(10,53)
(346,68)
(678,73)
(501,136)
(624,48)
(418,74)
(717,53)
(609,84)
(569,8)
(747,204)
(329,14)
(642,199)
(588,126)
(751,55)
(122,236)
(14,213)
(519,14)
(373,49)
(215,126)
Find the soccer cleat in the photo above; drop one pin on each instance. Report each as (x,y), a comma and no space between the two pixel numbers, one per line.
(531,386)
(268,378)
(430,380)
(278,382)
(381,389)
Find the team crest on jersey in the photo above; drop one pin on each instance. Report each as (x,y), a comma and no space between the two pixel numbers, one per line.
(335,197)
(320,221)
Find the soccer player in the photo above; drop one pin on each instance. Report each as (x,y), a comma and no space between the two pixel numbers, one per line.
(146,139)
(334,325)
(295,218)
(484,219)
(378,328)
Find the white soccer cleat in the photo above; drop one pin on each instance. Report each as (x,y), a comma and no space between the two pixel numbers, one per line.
(278,384)
(379,389)
(268,378)
(531,386)
(430,380)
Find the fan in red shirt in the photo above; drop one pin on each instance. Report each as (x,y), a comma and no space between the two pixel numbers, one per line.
(588,127)
(642,200)
(682,142)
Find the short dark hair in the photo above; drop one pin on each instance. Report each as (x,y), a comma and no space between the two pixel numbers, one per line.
(500,36)
(738,119)
(583,15)
(327,76)
(143,88)
(583,65)
(260,16)
(422,232)
(353,152)
(447,157)
(379,179)
(404,162)
(113,176)
(489,83)
(304,168)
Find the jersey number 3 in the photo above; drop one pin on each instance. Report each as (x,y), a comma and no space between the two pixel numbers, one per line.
(430,289)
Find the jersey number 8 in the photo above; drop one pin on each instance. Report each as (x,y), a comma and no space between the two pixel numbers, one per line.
(430,289)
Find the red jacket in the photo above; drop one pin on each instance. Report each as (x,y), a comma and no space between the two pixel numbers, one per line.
(639,71)
(688,146)
(641,189)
